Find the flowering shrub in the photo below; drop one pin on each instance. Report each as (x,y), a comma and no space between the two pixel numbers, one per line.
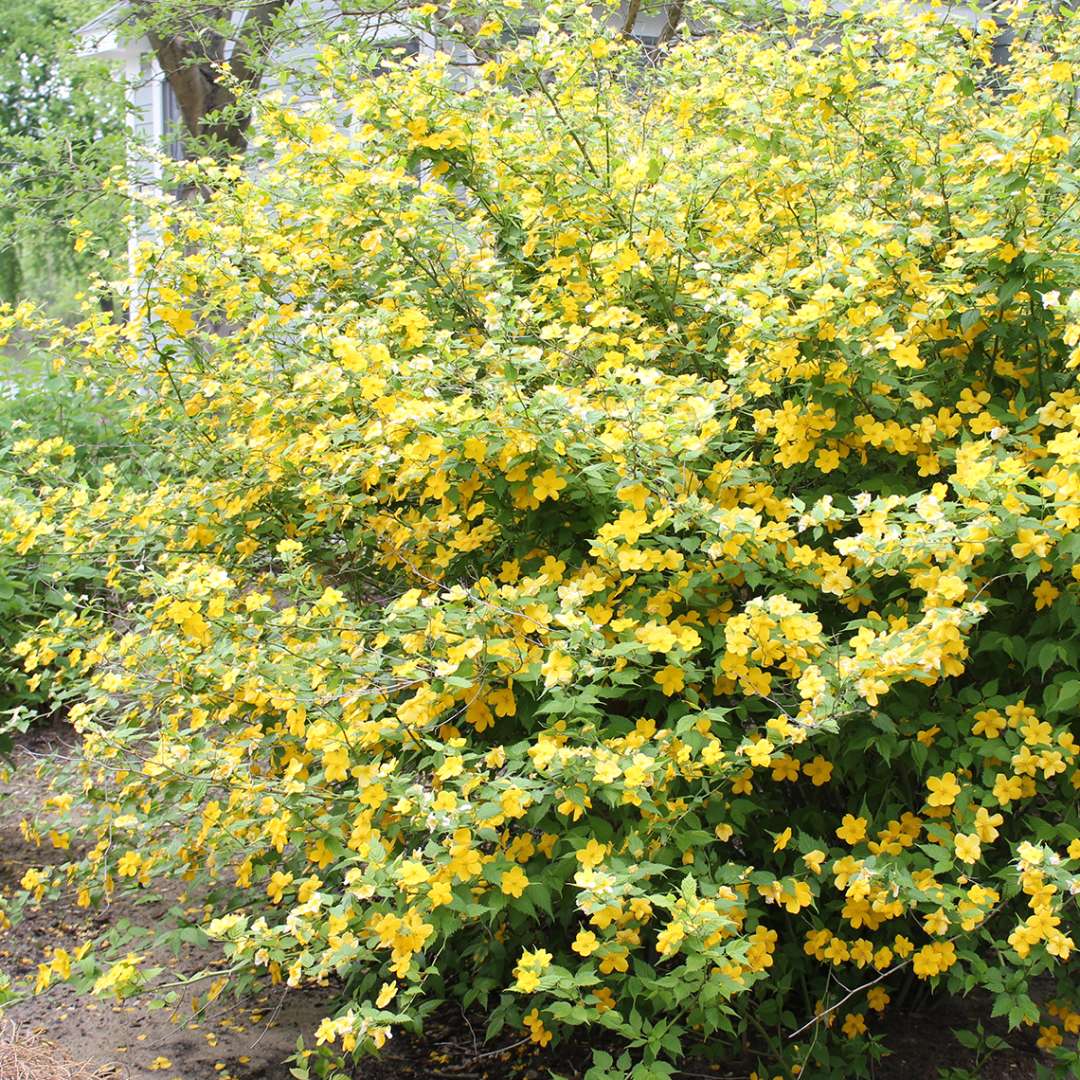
(621,568)
(20,579)
(49,432)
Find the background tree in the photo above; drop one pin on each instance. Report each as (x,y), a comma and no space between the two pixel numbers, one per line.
(193,43)
(61,131)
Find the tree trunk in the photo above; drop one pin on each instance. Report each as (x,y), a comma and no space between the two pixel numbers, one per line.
(191,50)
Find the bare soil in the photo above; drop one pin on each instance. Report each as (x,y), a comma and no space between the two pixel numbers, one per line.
(247,1040)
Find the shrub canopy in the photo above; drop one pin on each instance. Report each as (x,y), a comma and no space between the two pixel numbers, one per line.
(620,560)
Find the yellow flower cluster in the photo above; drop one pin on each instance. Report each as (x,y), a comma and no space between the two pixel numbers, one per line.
(620,539)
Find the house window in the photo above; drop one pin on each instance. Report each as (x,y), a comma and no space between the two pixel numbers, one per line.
(172,122)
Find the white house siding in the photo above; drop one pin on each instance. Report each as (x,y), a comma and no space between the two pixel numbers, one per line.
(144,95)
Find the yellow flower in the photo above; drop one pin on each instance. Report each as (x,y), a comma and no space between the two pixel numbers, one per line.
(513,882)
(759,752)
(827,460)
(986,825)
(943,789)
(1030,542)
(592,854)
(60,963)
(336,764)
(129,864)
(1007,788)
(799,897)
(819,770)
(558,668)
(668,939)
(586,943)
(277,885)
(412,874)
(440,894)
(180,321)
(742,783)
(32,879)
(614,960)
(933,959)
(968,848)
(538,959)
(937,922)
(657,637)
(547,485)
(854,1025)
(785,767)
(308,887)
(537,1032)
(989,723)
(852,829)
(277,829)
(670,680)
(635,494)
(529,967)
(1045,594)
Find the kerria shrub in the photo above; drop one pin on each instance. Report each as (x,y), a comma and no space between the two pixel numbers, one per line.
(53,428)
(21,583)
(620,566)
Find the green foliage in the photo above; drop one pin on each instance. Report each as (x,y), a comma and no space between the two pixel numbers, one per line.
(620,566)
(61,133)
(982,1044)
(49,417)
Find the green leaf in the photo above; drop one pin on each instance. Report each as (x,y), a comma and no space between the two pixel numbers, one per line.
(966,1038)
(1067,697)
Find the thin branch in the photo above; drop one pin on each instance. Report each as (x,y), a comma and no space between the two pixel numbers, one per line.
(249,53)
(847,997)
